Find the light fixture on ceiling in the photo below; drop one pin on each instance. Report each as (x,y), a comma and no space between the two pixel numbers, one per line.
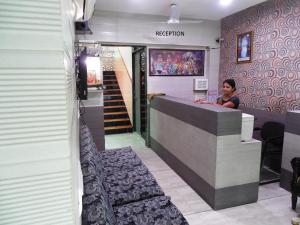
(107,32)
(225,2)
(174,14)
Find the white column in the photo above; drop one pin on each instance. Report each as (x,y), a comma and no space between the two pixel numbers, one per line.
(38,113)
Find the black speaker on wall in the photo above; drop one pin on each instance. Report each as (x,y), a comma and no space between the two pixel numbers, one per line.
(82,76)
(82,27)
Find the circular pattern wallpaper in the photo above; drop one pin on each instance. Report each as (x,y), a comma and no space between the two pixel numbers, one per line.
(272,81)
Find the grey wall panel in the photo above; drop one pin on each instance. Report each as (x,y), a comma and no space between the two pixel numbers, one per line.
(195,147)
(216,198)
(94,119)
(285,179)
(237,162)
(291,149)
(203,145)
(205,190)
(236,195)
(216,120)
(293,122)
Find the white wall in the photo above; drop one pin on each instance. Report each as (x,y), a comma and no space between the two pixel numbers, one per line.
(183,86)
(124,81)
(136,29)
(38,114)
(126,54)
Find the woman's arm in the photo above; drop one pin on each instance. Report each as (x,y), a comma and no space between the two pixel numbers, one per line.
(229,105)
(205,102)
(199,101)
(232,103)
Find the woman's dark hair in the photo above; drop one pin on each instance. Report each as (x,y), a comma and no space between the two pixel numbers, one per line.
(231,82)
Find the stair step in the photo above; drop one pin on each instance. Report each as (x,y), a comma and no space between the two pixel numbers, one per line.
(115,85)
(112,89)
(118,127)
(115,95)
(113,102)
(110,82)
(114,106)
(117,100)
(108,72)
(108,93)
(112,97)
(114,113)
(117,120)
(118,131)
(109,75)
(111,86)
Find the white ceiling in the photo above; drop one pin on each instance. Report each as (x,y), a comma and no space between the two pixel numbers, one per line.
(193,9)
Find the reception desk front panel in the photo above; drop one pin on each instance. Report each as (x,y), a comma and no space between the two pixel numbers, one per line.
(202,143)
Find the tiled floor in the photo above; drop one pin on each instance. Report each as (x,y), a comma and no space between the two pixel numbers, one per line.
(273,206)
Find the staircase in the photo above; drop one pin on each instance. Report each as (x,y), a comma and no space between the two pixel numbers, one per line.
(116,119)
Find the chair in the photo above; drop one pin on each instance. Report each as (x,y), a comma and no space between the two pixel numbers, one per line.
(295,184)
(272,134)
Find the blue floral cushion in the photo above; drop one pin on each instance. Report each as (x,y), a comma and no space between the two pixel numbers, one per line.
(97,209)
(129,186)
(116,160)
(118,177)
(88,150)
(154,211)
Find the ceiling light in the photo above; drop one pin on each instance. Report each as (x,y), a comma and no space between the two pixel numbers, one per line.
(225,2)
(107,33)
(173,21)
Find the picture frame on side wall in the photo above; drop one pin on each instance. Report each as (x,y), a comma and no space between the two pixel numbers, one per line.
(244,47)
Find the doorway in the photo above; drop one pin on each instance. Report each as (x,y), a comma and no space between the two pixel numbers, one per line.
(131,87)
(139,90)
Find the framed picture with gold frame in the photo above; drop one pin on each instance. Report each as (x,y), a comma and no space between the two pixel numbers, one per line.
(244,47)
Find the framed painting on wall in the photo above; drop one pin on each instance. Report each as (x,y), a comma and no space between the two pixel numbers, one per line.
(244,47)
(176,62)
(92,79)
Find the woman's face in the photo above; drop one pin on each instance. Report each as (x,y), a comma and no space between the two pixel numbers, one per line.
(227,89)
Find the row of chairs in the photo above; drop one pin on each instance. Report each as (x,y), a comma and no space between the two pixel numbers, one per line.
(272,135)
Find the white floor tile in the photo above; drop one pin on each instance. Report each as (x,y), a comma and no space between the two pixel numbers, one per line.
(273,206)
(275,211)
(271,191)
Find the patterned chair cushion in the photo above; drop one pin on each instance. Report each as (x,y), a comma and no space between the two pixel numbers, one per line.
(97,209)
(154,211)
(123,159)
(117,152)
(88,150)
(129,186)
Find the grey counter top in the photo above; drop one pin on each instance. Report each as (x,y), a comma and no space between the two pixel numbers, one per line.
(211,118)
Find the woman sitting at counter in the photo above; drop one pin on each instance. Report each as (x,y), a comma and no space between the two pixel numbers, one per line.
(228,99)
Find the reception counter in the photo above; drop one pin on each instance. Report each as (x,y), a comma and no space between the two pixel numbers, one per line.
(202,143)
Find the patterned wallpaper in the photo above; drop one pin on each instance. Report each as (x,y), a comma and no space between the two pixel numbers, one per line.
(272,81)
(107,55)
